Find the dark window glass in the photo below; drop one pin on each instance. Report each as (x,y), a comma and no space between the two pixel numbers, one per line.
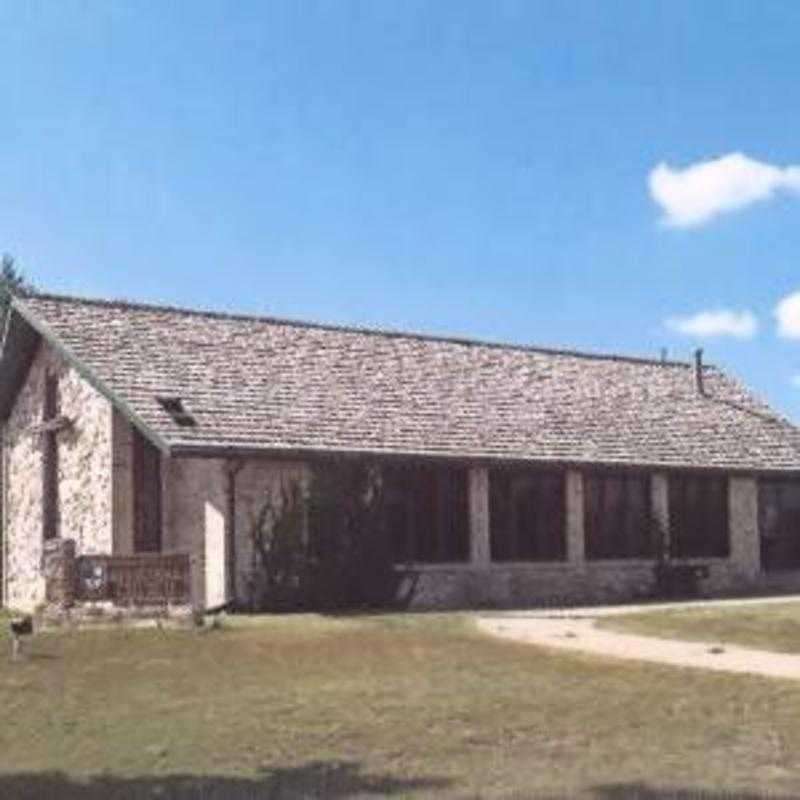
(779,523)
(146,495)
(698,516)
(617,515)
(426,515)
(527,516)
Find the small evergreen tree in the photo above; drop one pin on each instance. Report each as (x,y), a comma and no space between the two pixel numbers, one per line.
(346,522)
(12,280)
(280,553)
(324,547)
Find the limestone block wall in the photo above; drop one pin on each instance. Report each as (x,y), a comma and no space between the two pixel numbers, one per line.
(197,516)
(195,522)
(745,553)
(576,537)
(84,473)
(478,501)
(547,584)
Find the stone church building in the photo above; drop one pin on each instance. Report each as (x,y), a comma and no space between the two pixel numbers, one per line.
(513,475)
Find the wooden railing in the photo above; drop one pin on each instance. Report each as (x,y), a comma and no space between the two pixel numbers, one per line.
(145,579)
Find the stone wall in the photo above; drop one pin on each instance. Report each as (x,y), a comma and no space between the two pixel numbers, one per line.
(548,584)
(195,522)
(745,545)
(84,471)
(196,517)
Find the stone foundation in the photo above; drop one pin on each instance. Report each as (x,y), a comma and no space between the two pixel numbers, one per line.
(58,569)
(556,584)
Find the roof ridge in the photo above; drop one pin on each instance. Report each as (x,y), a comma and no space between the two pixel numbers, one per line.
(387,332)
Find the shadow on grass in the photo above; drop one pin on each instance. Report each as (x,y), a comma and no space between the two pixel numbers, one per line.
(334,779)
(641,791)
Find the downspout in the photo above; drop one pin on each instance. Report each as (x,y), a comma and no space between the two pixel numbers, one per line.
(233,469)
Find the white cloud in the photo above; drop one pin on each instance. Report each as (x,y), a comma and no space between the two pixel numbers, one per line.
(739,324)
(787,312)
(694,195)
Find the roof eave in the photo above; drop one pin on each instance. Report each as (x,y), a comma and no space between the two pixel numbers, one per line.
(223,449)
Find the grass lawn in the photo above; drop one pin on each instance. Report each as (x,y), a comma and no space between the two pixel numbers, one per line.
(768,627)
(404,706)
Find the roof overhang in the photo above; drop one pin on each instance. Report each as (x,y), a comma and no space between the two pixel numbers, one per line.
(21,339)
(249,450)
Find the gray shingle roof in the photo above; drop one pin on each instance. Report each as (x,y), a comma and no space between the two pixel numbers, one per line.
(265,383)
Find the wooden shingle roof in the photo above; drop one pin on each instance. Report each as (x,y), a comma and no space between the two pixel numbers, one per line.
(260,383)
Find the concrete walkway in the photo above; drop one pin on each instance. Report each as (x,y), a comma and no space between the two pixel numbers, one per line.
(574,629)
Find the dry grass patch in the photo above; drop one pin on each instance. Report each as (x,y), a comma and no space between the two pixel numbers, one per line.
(773,626)
(394,705)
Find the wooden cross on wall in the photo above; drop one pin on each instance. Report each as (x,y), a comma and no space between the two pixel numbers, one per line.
(51,425)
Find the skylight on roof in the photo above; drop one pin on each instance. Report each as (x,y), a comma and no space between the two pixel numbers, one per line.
(175,408)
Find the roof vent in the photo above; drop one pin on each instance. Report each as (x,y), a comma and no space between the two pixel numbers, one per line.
(174,407)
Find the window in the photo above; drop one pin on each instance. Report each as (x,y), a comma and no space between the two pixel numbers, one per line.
(146,496)
(50,459)
(698,516)
(175,408)
(779,523)
(617,515)
(527,515)
(426,514)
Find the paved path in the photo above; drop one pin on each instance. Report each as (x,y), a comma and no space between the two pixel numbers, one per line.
(574,629)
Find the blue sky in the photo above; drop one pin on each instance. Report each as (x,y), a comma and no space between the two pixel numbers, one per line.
(488,169)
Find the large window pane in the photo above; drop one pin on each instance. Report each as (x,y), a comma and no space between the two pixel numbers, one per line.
(147,495)
(617,515)
(426,513)
(527,515)
(698,512)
